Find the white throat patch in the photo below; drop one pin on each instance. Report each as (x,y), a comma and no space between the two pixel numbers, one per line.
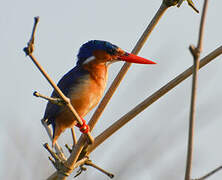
(89,59)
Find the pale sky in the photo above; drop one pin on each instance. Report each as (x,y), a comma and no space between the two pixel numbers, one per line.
(150,147)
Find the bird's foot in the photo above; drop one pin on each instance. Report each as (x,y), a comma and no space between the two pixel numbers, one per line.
(84,128)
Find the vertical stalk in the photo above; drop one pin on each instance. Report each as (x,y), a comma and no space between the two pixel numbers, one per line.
(196,55)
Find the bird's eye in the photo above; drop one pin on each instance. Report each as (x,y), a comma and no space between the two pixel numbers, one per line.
(112,50)
(126,54)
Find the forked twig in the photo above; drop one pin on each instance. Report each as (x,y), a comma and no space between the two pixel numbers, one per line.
(58,149)
(190,3)
(90,163)
(57,163)
(29,50)
(195,51)
(53,100)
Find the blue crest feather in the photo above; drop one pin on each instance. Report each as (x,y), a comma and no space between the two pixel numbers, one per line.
(87,49)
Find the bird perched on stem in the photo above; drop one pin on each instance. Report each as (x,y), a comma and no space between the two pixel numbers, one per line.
(85,83)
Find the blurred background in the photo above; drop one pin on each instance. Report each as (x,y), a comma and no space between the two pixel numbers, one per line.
(152,145)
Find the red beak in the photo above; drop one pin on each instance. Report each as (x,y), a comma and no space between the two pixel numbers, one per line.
(135,59)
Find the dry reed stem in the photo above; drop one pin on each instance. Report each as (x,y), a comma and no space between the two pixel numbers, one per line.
(150,100)
(29,50)
(74,139)
(116,82)
(209,174)
(196,55)
(90,163)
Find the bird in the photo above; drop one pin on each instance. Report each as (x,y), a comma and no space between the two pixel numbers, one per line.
(85,84)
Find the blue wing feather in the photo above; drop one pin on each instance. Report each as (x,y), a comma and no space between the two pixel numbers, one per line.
(68,81)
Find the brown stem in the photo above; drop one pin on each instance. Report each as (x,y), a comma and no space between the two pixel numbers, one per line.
(196,55)
(58,149)
(53,100)
(90,163)
(73,137)
(126,66)
(29,50)
(210,173)
(150,100)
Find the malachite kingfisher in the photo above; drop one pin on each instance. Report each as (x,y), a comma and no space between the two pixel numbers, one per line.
(85,83)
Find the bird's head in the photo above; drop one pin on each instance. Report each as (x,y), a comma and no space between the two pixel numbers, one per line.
(97,51)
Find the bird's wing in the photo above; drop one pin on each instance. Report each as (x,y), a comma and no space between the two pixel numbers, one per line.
(68,81)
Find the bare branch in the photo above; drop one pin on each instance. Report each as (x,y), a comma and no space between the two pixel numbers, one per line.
(196,55)
(74,139)
(29,50)
(90,163)
(68,148)
(57,101)
(150,100)
(58,149)
(190,3)
(126,66)
(46,146)
(209,174)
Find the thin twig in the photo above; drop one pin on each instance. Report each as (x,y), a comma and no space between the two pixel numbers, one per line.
(150,100)
(209,174)
(190,3)
(90,163)
(29,50)
(54,155)
(58,149)
(68,148)
(196,55)
(74,139)
(53,100)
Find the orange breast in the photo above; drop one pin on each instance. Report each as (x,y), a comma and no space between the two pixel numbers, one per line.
(85,96)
